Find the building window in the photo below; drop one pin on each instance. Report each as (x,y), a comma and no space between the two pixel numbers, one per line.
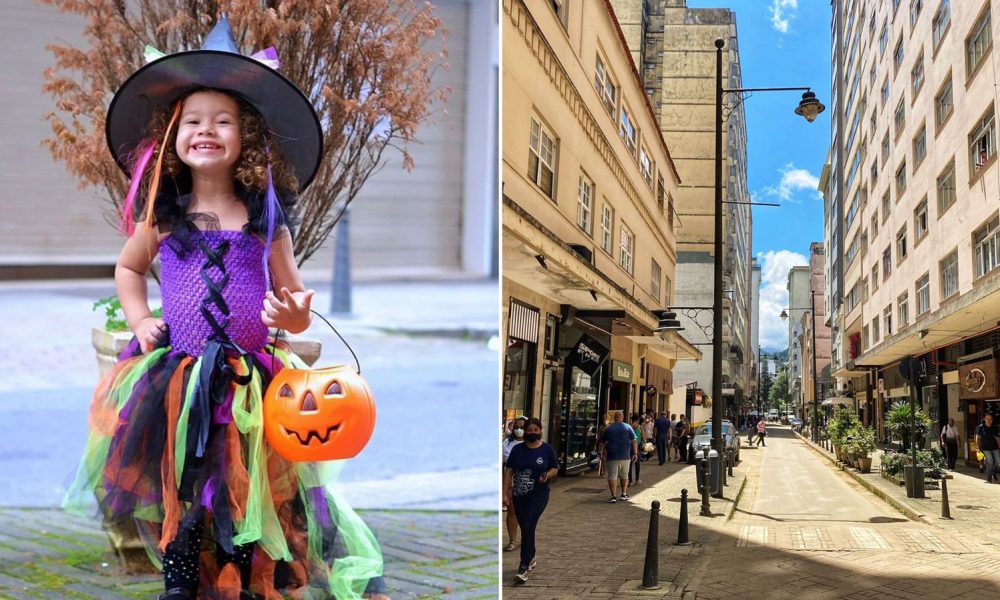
(886,205)
(607,228)
(872,74)
(923,289)
(901,249)
(626,128)
(901,180)
(887,263)
(919,147)
(874,227)
(903,308)
(885,148)
(660,193)
(864,290)
(946,188)
(980,40)
(949,275)
(887,319)
(899,117)
(646,166)
(865,338)
(897,54)
(875,276)
(917,75)
(585,205)
(667,289)
(986,241)
(853,248)
(542,159)
(605,85)
(915,7)
(670,210)
(885,92)
(626,247)
(920,221)
(562,11)
(982,142)
(654,283)
(943,104)
(883,37)
(874,172)
(942,19)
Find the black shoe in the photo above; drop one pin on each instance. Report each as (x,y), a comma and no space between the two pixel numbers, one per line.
(521,577)
(176,594)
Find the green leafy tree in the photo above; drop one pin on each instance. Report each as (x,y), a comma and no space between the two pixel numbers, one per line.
(778,395)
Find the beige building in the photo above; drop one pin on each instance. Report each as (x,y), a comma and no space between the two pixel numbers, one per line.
(438,220)
(589,248)
(673,46)
(815,337)
(917,241)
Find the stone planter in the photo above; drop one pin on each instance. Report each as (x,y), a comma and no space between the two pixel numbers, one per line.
(865,463)
(124,536)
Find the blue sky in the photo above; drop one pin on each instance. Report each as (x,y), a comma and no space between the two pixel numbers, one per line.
(783,43)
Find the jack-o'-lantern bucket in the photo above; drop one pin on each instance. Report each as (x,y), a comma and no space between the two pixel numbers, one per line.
(319,414)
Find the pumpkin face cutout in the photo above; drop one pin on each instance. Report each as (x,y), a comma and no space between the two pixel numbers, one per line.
(319,414)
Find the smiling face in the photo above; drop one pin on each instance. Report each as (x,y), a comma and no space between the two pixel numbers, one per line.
(208,133)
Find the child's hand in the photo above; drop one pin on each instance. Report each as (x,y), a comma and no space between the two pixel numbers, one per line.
(150,332)
(290,312)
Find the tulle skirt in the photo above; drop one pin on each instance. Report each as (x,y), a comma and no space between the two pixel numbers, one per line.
(175,437)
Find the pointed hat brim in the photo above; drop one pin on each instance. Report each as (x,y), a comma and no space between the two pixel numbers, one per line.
(289,114)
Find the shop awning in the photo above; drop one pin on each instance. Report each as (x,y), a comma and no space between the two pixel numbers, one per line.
(841,400)
(671,345)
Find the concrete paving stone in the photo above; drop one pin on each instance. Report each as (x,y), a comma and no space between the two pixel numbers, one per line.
(16,594)
(97,593)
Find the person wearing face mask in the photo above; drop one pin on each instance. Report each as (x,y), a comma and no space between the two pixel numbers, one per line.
(529,469)
(516,437)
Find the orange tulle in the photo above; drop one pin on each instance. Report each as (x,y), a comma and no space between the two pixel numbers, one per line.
(103,418)
(172,508)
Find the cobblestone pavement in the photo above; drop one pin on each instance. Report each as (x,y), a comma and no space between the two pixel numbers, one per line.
(46,553)
(805,530)
(590,549)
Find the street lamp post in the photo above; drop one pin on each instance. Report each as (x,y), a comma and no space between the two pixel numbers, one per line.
(815,378)
(809,107)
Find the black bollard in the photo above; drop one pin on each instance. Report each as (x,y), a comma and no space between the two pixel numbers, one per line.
(731,459)
(682,525)
(650,580)
(706,510)
(945,509)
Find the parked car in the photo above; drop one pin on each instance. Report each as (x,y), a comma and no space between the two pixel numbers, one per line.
(772,415)
(797,424)
(703,436)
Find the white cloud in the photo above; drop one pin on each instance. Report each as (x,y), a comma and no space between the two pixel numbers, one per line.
(793,180)
(774,268)
(780,19)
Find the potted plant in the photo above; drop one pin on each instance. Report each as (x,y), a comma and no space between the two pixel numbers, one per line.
(864,445)
(898,420)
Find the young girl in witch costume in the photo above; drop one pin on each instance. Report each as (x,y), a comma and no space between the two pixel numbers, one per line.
(217,144)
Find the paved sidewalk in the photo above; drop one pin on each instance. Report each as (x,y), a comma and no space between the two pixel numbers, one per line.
(590,549)
(46,553)
(973,504)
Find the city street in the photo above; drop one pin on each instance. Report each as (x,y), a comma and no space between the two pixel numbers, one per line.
(801,529)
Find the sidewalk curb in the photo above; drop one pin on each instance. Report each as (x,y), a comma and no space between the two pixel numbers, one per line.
(899,506)
(736,501)
(457,333)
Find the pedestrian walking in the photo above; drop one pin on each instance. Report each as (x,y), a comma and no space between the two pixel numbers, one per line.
(648,429)
(988,442)
(618,446)
(663,431)
(681,431)
(528,471)
(516,437)
(636,463)
(752,429)
(761,426)
(220,144)
(950,441)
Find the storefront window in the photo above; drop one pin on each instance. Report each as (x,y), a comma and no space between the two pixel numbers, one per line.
(518,375)
(580,417)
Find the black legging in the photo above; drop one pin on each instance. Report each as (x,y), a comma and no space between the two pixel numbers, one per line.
(529,509)
(182,557)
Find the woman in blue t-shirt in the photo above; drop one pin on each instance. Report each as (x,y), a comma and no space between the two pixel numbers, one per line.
(528,471)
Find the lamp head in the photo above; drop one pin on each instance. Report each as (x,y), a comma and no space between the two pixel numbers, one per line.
(783,315)
(809,107)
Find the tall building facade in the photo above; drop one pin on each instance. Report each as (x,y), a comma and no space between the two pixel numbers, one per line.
(673,47)
(913,164)
(755,366)
(589,241)
(798,287)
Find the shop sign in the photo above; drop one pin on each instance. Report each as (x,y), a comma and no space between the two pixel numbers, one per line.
(728,391)
(978,380)
(588,355)
(621,371)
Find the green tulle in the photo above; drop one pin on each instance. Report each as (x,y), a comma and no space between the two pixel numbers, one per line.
(180,438)
(79,496)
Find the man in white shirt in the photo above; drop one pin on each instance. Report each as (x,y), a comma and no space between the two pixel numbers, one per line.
(949,442)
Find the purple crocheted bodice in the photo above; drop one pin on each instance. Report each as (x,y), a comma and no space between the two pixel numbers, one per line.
(213,290)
